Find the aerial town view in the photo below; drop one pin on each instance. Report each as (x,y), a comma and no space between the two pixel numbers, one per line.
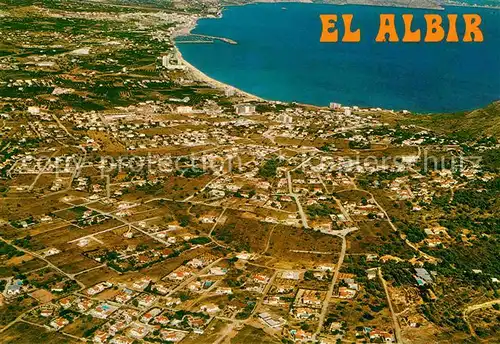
(144,201)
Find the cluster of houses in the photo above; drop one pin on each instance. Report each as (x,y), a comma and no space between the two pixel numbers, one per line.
(132,313)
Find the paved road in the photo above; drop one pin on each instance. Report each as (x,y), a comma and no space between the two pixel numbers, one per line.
(301,211)
(343,210)
(62,125)
(329,294)
(19,318)
(42,170)
(194,277)
(213,228)
(129,224)
(397,328)
(264,293)
(430,258)
(90,269)
(94,234)
(70,276)
(297,201)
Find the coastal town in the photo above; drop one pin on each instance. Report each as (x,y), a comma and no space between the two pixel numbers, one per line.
(143,202)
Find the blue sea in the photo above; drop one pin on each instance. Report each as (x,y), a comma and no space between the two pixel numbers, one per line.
(279,57)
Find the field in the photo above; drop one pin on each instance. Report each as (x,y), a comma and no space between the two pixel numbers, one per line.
(83,326)
(284,241)
(378,238)
(211,334)
(21,264)
(20,209)
(9,313)
(243,233)
(250,334)
(23,333)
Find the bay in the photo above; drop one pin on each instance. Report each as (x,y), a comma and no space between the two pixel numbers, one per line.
(279,57)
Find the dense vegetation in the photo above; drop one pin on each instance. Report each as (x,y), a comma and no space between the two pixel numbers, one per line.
(9,251)
(269,169)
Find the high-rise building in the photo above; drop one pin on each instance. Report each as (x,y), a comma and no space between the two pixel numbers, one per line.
(165,61)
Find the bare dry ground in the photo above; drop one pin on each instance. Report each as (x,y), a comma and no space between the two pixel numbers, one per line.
(23,333)
(250,334)
(20,209)
(286,240)
(9,313)
(22,264)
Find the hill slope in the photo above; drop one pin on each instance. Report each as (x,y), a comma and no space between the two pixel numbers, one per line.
(480,122)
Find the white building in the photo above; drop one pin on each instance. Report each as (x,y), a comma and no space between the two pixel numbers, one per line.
(245,109)
(165,61)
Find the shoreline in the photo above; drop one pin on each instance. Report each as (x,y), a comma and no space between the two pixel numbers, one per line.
(200,76)
(197,74)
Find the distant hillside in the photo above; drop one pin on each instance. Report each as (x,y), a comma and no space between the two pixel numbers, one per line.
(399,3)
(480,122)
(491,3)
